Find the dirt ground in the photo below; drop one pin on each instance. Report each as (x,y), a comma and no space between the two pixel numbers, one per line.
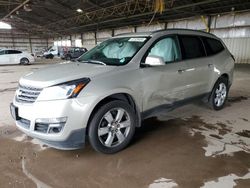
(192,146)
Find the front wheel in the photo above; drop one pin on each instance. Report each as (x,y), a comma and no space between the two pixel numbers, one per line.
(219,94)
(112,127)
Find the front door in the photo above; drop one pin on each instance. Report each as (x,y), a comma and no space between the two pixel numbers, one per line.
(166,84)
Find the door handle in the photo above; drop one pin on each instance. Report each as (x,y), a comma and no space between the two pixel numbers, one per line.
(181,71)
(210,65)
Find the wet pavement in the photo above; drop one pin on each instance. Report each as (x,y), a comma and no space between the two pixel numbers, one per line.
(192,146)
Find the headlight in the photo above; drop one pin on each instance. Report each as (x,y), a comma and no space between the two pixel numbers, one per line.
(63,91)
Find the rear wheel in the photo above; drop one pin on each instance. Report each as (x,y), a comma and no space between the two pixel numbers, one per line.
(68,57)
(112,127)
(24,61)
(219,94)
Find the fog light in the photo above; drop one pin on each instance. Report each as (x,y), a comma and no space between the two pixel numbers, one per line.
(50,125)
(55,128)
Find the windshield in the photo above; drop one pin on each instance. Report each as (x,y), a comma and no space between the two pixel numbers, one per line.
(115,51)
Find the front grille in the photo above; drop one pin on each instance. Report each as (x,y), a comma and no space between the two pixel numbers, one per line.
(26,94)
(24,123)
(43,128)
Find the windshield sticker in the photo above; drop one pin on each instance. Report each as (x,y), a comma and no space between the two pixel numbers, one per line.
(137,39)
(122,60)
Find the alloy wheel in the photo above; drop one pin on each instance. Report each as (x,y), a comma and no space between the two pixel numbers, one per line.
(220,95)
(114,127)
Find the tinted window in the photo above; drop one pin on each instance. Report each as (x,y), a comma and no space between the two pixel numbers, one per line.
(167,49)
(13,52)
(212,46)
(17,52)
(2,52)
(192,47)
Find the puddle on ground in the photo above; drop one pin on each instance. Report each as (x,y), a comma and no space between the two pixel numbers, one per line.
(8,89)
(244,119)
(163,183)
(228,181)
(236,99)
(220,138)
(245,133)
(159,149)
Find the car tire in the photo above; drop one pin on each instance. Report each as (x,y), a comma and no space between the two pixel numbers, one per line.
(219,94)
(112,127)
(24,61)
(51,56)
(68,57)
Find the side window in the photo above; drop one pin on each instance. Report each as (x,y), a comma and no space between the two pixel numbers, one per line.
(192,47)
(17,52)
(167,49)
(212,46)
(2,52)
(8,52)
(13,52)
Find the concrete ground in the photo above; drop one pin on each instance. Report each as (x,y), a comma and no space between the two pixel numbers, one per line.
(192,146)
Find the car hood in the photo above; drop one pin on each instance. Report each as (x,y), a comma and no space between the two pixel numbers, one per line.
(63,72)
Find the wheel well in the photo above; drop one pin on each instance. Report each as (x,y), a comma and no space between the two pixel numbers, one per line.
(118,96)
(225,76)
(24,58)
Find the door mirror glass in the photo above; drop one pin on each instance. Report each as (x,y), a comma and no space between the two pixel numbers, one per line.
(154,60)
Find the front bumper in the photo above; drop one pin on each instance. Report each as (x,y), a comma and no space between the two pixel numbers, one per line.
(72,135)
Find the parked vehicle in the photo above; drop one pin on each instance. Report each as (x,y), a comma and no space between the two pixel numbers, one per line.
(73,53)
(52,52)
(110,89)
(8,56)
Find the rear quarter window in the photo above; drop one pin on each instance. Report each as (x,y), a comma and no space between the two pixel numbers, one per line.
(212,46)
(191,47)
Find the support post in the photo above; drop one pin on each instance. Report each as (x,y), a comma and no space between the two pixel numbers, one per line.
(31,50)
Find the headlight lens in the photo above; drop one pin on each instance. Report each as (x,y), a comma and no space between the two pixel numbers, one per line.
(63,91)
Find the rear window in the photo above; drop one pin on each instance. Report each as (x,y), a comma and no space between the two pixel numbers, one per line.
(191,46)
(212,46)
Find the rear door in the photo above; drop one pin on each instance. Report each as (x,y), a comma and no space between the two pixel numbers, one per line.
(198,65)
(4,57)
(213,48)
(165,84)
(14,56)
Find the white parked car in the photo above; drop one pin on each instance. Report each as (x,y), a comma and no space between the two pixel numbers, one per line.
(8,56)
(107,92)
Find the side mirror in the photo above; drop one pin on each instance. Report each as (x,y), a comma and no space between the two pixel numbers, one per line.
(154,60)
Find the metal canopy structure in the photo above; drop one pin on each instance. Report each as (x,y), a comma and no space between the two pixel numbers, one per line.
(60,17)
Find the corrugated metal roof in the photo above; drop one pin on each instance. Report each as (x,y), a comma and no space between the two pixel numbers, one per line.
(58,17)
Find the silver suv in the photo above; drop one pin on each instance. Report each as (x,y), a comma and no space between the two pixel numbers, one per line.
(105,94)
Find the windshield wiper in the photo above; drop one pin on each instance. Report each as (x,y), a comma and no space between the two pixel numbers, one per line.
(94,62)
